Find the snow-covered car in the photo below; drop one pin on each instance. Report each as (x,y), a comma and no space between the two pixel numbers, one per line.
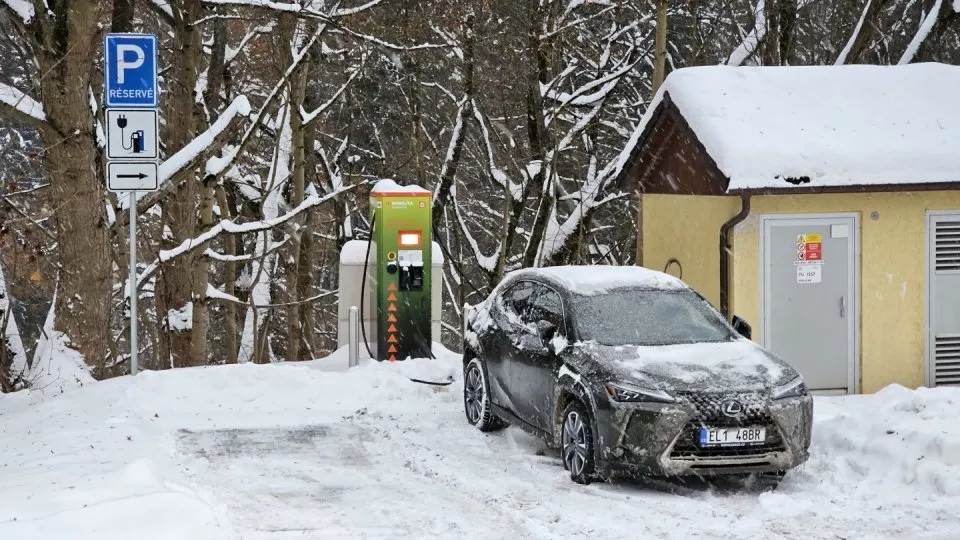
(630,372)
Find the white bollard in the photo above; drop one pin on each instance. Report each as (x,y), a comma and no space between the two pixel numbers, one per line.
(353,337)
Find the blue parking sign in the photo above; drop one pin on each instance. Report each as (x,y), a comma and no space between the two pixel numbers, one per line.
(130,70)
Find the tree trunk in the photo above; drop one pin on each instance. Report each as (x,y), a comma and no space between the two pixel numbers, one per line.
(781,17)
(409,62)
(201,270)
(947,18)
(178,282)
(660,46)
(536,131)
(306,286)
(448,171)
(123,12)
(289,27)
(771,40)
(66,45)
(229,282)
(788,23)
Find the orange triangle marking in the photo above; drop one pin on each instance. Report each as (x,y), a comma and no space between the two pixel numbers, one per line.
(392,339)
(393,348)
(391,307)
(392,297)
(393,358)
(391,318)
(392,287)
(393,328)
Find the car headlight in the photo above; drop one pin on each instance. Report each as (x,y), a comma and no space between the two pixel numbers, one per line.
(636,394)
(794,388)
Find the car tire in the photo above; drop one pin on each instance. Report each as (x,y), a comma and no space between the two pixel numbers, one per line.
(476,398)
(576,443)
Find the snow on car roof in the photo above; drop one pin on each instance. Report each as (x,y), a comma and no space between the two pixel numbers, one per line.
(851,125)
(598,279)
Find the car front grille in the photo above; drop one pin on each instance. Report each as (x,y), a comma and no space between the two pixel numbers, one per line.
(710,414)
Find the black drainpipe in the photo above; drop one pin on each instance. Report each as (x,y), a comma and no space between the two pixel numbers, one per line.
(725,256)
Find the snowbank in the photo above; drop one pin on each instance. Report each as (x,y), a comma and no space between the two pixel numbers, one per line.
(88,464)
(57,367)
(102,462)
(897,439)
(312,450)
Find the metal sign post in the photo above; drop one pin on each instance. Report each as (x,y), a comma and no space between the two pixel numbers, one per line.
(134,346)
(133,146)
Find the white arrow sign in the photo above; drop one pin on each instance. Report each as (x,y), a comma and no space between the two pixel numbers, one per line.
(132,134)
(131,176)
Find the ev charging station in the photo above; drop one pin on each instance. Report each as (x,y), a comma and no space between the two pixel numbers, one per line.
(390,276)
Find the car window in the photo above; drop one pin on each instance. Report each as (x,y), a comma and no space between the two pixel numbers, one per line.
(514,301)
(545,305)
(648,317)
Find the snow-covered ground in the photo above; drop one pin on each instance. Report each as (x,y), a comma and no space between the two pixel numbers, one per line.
(305,451)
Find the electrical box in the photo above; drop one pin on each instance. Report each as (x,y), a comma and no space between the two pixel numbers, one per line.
(403,243)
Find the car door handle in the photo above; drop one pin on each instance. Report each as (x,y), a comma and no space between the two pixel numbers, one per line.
(843,306)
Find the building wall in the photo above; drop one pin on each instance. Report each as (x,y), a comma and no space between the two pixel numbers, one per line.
(892,264)
(892,281)
(687,228)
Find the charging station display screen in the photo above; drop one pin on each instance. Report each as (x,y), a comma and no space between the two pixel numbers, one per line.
(410,239)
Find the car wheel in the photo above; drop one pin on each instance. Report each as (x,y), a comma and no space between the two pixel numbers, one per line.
(576,443)
(476,399)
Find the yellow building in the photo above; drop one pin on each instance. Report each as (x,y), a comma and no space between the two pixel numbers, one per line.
(820,204)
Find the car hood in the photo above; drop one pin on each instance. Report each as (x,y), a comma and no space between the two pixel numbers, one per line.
(739,365)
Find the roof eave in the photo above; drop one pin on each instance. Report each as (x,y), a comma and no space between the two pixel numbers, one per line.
(858,188)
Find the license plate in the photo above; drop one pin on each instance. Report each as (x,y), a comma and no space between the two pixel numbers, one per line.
(732,436)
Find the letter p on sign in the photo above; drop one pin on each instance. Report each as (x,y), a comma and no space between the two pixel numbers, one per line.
(122,60)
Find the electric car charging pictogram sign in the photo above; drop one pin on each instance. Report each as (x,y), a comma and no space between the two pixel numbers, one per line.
(132,134)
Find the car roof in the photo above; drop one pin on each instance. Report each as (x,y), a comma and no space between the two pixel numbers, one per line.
(587,280)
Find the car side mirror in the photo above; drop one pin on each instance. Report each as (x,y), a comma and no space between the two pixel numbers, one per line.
(742,327)
(546,330)
(545,333)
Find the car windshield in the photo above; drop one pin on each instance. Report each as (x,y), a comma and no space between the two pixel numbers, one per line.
(648,317)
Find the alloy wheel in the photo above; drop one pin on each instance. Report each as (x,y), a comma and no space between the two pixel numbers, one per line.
(473,394)
(574,443)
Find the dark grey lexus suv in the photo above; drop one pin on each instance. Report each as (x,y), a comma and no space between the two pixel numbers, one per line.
(630,372)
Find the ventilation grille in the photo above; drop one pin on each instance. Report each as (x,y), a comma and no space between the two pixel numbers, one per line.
(946,361)
(947,246)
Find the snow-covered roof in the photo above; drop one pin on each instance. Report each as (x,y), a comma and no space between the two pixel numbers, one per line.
(388,186)
(588,280)
(838,126)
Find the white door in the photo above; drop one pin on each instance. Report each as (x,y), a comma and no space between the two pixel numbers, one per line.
(810,307)
(943,299)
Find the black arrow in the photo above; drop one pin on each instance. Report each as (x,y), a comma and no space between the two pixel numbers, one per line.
(139,176)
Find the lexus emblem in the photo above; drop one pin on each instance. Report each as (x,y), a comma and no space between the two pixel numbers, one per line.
(732,408)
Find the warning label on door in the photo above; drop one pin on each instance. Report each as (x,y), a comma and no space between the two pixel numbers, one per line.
(810,247)
(809,273)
